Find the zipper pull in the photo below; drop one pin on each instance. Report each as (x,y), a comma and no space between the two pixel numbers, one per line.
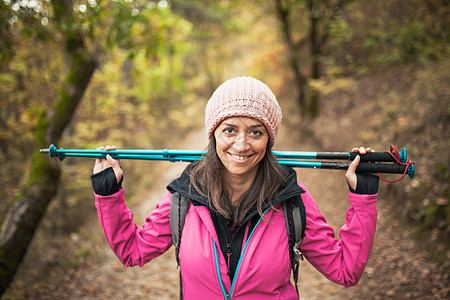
(229,258)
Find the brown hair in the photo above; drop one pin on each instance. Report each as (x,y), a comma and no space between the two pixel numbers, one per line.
(208,180)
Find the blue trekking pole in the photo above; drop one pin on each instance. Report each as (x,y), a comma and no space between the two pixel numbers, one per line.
(370,162)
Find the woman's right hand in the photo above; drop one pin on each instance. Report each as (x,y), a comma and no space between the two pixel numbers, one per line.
(104,163)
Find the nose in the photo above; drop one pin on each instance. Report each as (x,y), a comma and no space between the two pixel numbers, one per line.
(241,143)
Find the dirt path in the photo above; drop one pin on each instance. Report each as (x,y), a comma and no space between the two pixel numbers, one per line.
(397,268)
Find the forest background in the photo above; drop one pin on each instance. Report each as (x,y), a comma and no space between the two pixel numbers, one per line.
(137,74)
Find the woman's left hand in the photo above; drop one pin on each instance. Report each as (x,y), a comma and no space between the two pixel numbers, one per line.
(350,175)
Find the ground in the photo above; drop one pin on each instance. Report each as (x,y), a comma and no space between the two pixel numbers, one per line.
(399,266)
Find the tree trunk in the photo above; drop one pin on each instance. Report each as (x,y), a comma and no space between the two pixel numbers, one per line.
(320,15)
(313,107)
(283,16)
(27,210)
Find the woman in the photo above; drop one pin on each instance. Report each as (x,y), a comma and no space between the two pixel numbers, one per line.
(234,241)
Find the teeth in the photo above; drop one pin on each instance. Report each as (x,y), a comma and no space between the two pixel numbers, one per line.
(239,157)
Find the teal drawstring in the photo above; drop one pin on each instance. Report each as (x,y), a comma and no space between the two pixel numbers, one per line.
(225,294)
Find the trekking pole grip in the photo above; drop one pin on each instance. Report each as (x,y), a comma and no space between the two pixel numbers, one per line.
(379,156)
(386,168)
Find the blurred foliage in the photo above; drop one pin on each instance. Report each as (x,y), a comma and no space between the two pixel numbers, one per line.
(418,113)
(148,93)
(393,57)
(384,63)
(373,34)
(406,105)
(147,78)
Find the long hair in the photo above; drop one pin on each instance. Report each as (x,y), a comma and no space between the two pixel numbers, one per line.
(207,178)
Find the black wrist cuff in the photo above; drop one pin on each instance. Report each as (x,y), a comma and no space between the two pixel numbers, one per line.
(105,183)
(367,184)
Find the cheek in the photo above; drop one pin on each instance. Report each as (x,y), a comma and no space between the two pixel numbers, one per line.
(262,145)
(221,143)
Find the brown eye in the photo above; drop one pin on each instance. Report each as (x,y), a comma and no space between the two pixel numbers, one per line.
(256,132)
(229,130)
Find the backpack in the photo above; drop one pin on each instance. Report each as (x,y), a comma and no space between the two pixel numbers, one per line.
(294,215)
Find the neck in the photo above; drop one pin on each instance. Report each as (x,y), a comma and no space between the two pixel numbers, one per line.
(239,184)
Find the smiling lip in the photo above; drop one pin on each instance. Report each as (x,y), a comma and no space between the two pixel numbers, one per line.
(240,158)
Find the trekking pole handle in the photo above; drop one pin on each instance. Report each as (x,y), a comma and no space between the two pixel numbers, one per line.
(386,168)
(379,156)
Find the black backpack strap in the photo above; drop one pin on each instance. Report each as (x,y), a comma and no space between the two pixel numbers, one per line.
(178,210)
(295,218)
(299,217)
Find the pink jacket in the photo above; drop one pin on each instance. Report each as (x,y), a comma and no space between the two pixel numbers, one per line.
(264,268)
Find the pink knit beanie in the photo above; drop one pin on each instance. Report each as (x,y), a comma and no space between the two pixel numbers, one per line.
(244,97)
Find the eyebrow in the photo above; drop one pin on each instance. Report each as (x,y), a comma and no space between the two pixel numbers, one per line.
(252,126)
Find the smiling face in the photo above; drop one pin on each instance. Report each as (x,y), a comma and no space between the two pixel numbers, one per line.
(241,144)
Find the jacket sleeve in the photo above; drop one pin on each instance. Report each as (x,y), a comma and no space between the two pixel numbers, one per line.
(132,245)
(343,261)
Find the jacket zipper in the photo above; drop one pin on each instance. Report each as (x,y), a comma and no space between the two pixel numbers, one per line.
(225,294)
(229,258)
